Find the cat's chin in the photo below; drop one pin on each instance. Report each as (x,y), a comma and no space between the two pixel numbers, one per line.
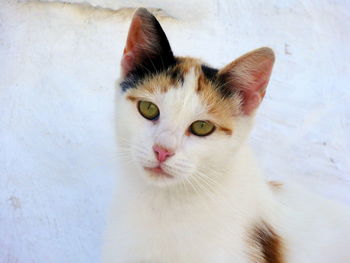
(158,172)
(158,177)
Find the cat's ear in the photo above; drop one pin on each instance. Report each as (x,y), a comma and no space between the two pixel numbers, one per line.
(147,47)
(249,75)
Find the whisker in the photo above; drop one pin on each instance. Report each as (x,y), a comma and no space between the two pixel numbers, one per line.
(193,187)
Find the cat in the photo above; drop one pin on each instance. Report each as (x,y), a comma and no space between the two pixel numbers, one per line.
(189,190)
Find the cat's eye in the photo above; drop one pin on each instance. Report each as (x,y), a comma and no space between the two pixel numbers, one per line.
(148,110)
(202,128)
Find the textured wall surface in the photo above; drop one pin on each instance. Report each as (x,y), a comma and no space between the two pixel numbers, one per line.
(59,63)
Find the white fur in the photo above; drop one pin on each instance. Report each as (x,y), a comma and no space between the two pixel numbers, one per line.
(207,211)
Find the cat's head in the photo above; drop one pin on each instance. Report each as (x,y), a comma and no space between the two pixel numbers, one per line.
(180,120)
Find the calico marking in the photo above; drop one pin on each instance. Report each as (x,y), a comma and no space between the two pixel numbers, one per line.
(268,243)
(227,131)
(176,74)
(219,81)
(210,73)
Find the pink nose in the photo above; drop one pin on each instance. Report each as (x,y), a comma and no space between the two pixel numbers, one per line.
(161,153)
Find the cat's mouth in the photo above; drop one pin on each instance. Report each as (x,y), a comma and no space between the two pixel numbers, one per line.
(158,172)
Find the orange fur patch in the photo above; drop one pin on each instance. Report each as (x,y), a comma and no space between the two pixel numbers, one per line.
(225,130)
(132,98)
(267,246)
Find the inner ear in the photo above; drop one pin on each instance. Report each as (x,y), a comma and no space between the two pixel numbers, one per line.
(249,75)
(147,48)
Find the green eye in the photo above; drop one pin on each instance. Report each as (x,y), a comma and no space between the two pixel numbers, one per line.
(202,128)
(148,110)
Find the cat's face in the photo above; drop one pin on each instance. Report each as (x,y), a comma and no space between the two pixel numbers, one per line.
(188,131)
(179,120)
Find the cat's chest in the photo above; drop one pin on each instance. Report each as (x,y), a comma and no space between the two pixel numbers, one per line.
(180,234)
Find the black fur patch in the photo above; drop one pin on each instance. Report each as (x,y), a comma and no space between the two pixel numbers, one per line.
(148,69)
(225,87)
(210,73)
(131,81)
(176,75)
(219,80)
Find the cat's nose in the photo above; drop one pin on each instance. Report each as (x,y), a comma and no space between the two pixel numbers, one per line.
(162,153)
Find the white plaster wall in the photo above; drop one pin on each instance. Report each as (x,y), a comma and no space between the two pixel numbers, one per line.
(58,65)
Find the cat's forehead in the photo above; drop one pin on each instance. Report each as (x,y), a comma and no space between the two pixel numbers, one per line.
(191,85)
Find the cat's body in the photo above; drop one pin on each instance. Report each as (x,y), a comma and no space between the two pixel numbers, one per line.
(190,193)
(158,227)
